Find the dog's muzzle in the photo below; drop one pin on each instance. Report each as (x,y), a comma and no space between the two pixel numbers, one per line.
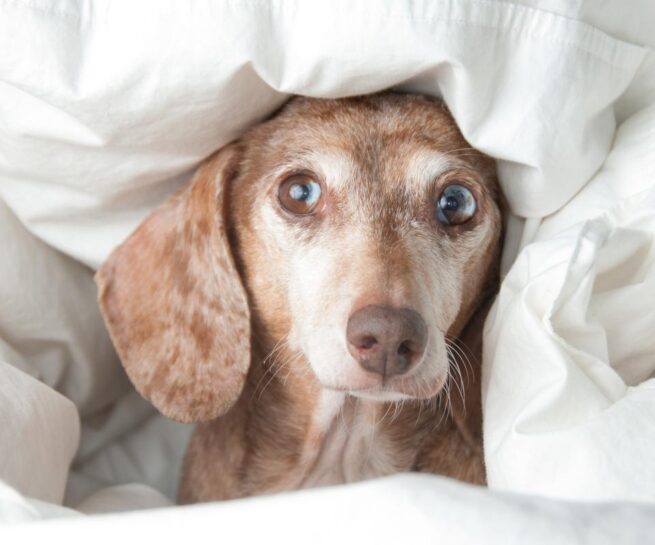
(385,340)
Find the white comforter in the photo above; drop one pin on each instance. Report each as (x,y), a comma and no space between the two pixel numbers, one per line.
(107,107)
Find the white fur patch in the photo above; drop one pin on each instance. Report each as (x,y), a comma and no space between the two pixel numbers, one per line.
(352,448)
(336,167)
(426,166)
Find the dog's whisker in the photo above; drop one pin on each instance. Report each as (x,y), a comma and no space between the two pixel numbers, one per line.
(278,368)
(290,364)
(467,359)
(460,385)
(448,388)
(397,409)
(270,380)
(453,356)
(386,412)
(465,348)
(278,346)
(462,357)
(269,362)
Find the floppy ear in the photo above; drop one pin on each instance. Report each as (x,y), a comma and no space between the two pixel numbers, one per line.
(174,304)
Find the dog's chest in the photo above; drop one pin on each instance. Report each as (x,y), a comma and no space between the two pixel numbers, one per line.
(350,441)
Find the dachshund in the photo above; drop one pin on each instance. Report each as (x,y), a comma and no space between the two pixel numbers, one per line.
(315,297)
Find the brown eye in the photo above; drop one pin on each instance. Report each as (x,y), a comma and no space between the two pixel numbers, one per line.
(300,194)
(456,205)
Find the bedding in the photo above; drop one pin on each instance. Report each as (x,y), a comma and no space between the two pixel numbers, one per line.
(107,108)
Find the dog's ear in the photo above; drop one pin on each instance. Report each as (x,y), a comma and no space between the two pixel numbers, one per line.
(174,303)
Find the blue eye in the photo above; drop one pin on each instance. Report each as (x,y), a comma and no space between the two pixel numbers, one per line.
(456,205)
(300,194)
(308,193)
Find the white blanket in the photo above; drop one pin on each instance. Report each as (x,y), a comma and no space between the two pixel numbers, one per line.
(106,108)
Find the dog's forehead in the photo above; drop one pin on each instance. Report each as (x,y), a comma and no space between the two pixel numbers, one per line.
(373,147)
(372,132)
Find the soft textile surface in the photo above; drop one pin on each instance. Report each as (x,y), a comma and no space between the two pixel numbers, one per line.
(107,107)
(398,509)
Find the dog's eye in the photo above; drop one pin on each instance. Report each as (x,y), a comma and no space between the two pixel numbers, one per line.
(300,194)
(456,205)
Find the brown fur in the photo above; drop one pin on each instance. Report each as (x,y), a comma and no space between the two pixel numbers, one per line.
(198,300)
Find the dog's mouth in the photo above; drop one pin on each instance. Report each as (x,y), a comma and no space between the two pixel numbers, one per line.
(393,389)
(401,393)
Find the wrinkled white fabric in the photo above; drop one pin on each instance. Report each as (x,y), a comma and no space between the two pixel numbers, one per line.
(39,435)
(570,354)
(107,107)
(398,509)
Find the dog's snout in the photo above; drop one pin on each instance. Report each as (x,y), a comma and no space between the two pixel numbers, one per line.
(386,340)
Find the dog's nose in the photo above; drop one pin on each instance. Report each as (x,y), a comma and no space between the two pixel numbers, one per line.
(386,340)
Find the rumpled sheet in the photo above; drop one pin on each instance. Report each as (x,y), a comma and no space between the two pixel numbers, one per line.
(108,107)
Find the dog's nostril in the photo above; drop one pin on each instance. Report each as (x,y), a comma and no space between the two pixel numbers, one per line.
(404,349)
(368,342)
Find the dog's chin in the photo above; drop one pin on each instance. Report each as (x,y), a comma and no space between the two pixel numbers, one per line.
(404,390)
(401,392)
(421,384)
(381,395)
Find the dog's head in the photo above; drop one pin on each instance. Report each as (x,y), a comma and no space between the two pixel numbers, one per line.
(361,233)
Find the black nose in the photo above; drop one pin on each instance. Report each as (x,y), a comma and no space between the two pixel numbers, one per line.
(386,340)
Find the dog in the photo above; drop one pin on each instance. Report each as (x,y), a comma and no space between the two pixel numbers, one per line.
(314,299)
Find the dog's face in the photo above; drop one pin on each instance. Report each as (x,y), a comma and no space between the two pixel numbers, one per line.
(367,230)
(357,233)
